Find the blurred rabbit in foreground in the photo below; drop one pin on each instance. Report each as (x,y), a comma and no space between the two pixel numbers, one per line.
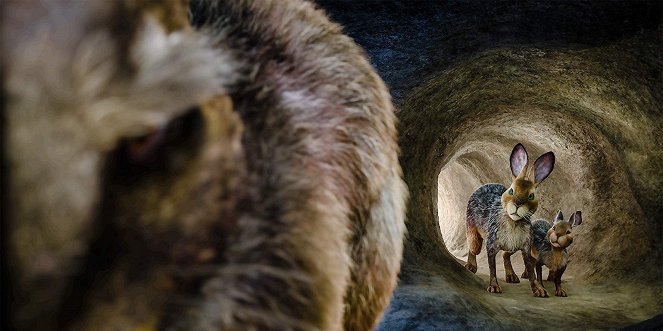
(237,172)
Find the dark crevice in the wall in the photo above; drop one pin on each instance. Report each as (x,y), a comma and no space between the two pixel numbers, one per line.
(408,41)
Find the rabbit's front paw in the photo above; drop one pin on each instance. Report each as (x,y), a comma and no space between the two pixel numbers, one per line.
(494,289)
(560,292)
(472,268)
(540,292)
(525,275)
(512,278)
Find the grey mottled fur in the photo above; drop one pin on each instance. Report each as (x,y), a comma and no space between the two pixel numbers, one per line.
(485,211)
(501,218)
(540,229)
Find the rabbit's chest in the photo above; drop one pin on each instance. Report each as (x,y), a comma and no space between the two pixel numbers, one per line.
(513,237)
(555,260)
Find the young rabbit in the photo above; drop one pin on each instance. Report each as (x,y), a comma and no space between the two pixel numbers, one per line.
(501,216)
(549,243)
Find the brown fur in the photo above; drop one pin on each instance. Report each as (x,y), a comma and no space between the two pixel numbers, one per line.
(273,202)
(556,260)
(474,242)
(524,186)
(474,239)
(550,241)
(510,276)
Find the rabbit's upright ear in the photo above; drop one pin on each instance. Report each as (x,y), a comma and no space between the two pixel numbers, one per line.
(518,160)
(559,216)
(543,166)
(576,218)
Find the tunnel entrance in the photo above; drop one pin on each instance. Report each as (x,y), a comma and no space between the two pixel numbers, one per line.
(460,128)
(483,162)
(586,85)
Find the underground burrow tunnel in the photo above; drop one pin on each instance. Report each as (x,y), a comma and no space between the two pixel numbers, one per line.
(471,80)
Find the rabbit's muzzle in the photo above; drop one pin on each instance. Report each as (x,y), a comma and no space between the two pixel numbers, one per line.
(516,211)
(560,241)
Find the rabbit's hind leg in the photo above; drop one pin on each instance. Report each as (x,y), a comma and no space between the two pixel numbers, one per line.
(474,242)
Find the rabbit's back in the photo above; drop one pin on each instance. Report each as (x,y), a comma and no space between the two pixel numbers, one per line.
(539,233)
(484,207)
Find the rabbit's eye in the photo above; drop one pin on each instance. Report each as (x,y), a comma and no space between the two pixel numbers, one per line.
(141,148)
(553,228)
(511,191)
(164,147)
(531,196)
(568,232)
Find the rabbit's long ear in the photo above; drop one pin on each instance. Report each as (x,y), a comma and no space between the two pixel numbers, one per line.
(543,166)
(576,218)
(559,216)
(518,160)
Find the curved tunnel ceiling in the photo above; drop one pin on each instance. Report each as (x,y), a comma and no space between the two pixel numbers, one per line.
(472,81)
